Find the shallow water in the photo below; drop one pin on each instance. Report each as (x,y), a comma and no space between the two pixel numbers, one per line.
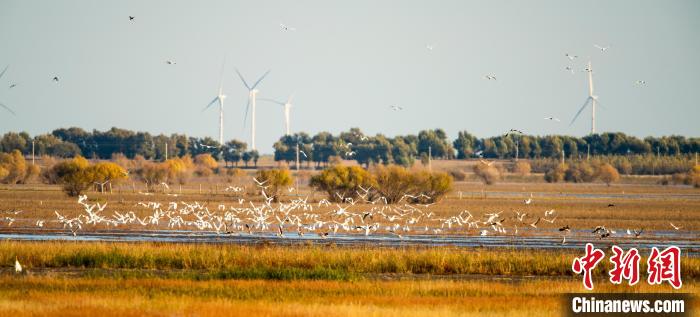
(688,242)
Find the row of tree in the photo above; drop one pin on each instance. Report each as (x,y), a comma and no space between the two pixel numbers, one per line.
(353,144)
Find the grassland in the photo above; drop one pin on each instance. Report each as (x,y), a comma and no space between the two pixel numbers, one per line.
(126,279)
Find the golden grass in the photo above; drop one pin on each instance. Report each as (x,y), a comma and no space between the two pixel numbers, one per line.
(214,261)
(29,296)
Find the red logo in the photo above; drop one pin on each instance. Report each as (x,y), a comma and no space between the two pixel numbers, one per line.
(626,266)
(587,263)
(665,266)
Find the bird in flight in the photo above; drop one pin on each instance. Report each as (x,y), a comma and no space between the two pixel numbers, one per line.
(13,86)
(287,28)
(513,131)
(429,47)
(490,77)
(601,48)
(55,78)
(640,82)
(552,119)
(568,68)
(396,108)
(571,57)
(169,62)
(131,18)
(675,227)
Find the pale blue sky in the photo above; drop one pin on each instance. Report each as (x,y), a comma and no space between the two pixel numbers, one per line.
(348,62)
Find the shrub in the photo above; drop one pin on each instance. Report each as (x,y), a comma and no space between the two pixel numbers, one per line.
(105,172)
(14,166)
(433,185)
(393,182)
(580,172)
(343,180)
(522,168)
(275,180)
(556,174)
(489,175)
(153,174)
(206,160)
(458,174)
(608,174)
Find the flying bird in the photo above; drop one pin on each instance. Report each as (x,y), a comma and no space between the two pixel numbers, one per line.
(396,108)
(13,86)
(55,78)
(675,227)
(131,18)
(552,119)
(429,47)
(490,77)
(568,68)
(571,57)
(169,62)
(601,48)
(640,82)
(287,28)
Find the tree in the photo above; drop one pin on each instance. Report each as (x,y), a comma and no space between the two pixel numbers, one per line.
(275,180)
(342,181)
(72,175)
(556,174)
(233,151)
(435,141)
(105,173)
(608,174)
(247,156)
(464,144)
(13,168)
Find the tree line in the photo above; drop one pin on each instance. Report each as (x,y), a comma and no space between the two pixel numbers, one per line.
(323,147)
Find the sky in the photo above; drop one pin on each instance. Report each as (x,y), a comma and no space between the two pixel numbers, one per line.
(348,62)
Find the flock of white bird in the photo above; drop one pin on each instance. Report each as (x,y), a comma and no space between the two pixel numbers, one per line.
(365,215)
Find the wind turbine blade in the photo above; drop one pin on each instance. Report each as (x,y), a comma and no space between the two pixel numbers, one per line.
(210,104)
(243,80)
(4,70)
(289,101)
(580,110)
(245,117)
(8,109)
(261,78)
(272,100)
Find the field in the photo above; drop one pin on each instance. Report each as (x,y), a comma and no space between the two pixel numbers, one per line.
(323,277)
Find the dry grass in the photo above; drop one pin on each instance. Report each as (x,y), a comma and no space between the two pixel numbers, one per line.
(193,261)
(30,296)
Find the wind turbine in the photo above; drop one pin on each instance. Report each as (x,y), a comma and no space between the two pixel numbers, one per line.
(1,104)
(252,93)
(286,106)
(593,99)
(220,98)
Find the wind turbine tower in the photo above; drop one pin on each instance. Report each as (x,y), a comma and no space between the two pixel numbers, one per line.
(220,98)
(286,106)
(252,95)
(592,99)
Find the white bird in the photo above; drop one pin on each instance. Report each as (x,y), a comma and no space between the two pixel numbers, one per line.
(429,47)
(534,224)
(601,48)
(169,62)
(571,57)
(568,68)
(675,227)
(302,152)
(287,28)
(552,119)
(483,233)
(396,108)
(640,82)
(18,267)
(490,77)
